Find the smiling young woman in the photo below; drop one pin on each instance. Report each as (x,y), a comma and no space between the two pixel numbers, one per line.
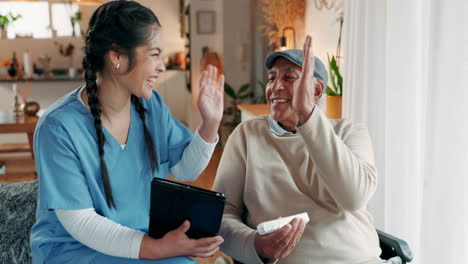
(98,148)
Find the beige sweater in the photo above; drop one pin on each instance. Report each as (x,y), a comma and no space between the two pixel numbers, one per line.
(326,169)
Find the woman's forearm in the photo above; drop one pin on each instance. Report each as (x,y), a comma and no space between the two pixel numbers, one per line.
(194,160)
(100,233)
(208,131)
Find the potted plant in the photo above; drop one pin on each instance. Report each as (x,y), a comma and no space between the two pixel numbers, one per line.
(5,21)
(232,115)
(335,92)
(74,19)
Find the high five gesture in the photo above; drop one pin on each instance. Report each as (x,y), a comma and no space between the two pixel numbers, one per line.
(303,102)
(210,103)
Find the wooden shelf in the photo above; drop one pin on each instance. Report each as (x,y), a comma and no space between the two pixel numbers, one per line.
(254,109)
(17,177)
(14,147)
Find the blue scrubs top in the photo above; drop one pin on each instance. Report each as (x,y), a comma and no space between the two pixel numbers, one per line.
(69,172)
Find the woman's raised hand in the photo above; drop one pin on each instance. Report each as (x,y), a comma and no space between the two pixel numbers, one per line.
(210,103)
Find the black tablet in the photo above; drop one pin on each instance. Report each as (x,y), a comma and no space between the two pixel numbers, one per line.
(172,203)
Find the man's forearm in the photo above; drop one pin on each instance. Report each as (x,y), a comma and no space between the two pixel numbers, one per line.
(239,240)
(347,170)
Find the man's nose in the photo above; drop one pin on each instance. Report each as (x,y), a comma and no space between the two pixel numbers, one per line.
(277,86)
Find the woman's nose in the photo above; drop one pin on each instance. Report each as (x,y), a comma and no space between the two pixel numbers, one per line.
(161,67)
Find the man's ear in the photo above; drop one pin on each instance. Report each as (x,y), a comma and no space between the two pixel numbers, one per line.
(318,90)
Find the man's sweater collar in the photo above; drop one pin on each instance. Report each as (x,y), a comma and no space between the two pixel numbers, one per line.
(276,129)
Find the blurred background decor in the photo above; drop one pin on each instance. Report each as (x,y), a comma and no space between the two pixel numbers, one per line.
(67,51)
(280,15)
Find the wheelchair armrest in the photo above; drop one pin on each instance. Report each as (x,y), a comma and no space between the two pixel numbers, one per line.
(398,246)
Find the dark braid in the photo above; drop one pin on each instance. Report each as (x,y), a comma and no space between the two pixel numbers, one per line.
(149,140)
(119,26)
(93,101)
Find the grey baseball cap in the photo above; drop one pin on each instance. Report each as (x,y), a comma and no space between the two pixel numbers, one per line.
(296,56)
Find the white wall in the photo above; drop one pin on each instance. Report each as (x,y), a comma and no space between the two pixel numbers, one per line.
(172,88)
(167,12)
(237,44)
(197,42)
(324,29)
(261,47)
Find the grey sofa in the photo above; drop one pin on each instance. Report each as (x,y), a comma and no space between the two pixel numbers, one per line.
(17,216)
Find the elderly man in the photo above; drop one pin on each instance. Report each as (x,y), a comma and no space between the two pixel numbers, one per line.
(296,160)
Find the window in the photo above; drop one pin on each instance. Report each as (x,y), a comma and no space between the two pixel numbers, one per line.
(36,21)
(61,14)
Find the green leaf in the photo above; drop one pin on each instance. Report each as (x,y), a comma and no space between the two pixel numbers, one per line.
(243,88)
(229,91)
(7,19)
(13,17)
(330,92)
(340,82)
(336,80)
(3,22)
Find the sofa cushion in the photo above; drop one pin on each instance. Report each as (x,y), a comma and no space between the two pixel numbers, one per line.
(17,216)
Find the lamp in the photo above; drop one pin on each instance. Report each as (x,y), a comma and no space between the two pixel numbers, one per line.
(283,38)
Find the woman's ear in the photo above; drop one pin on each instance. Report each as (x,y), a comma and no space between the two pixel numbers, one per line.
(114,59)
(318,90)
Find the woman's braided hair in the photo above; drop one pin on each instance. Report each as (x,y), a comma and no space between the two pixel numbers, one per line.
(119,26)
